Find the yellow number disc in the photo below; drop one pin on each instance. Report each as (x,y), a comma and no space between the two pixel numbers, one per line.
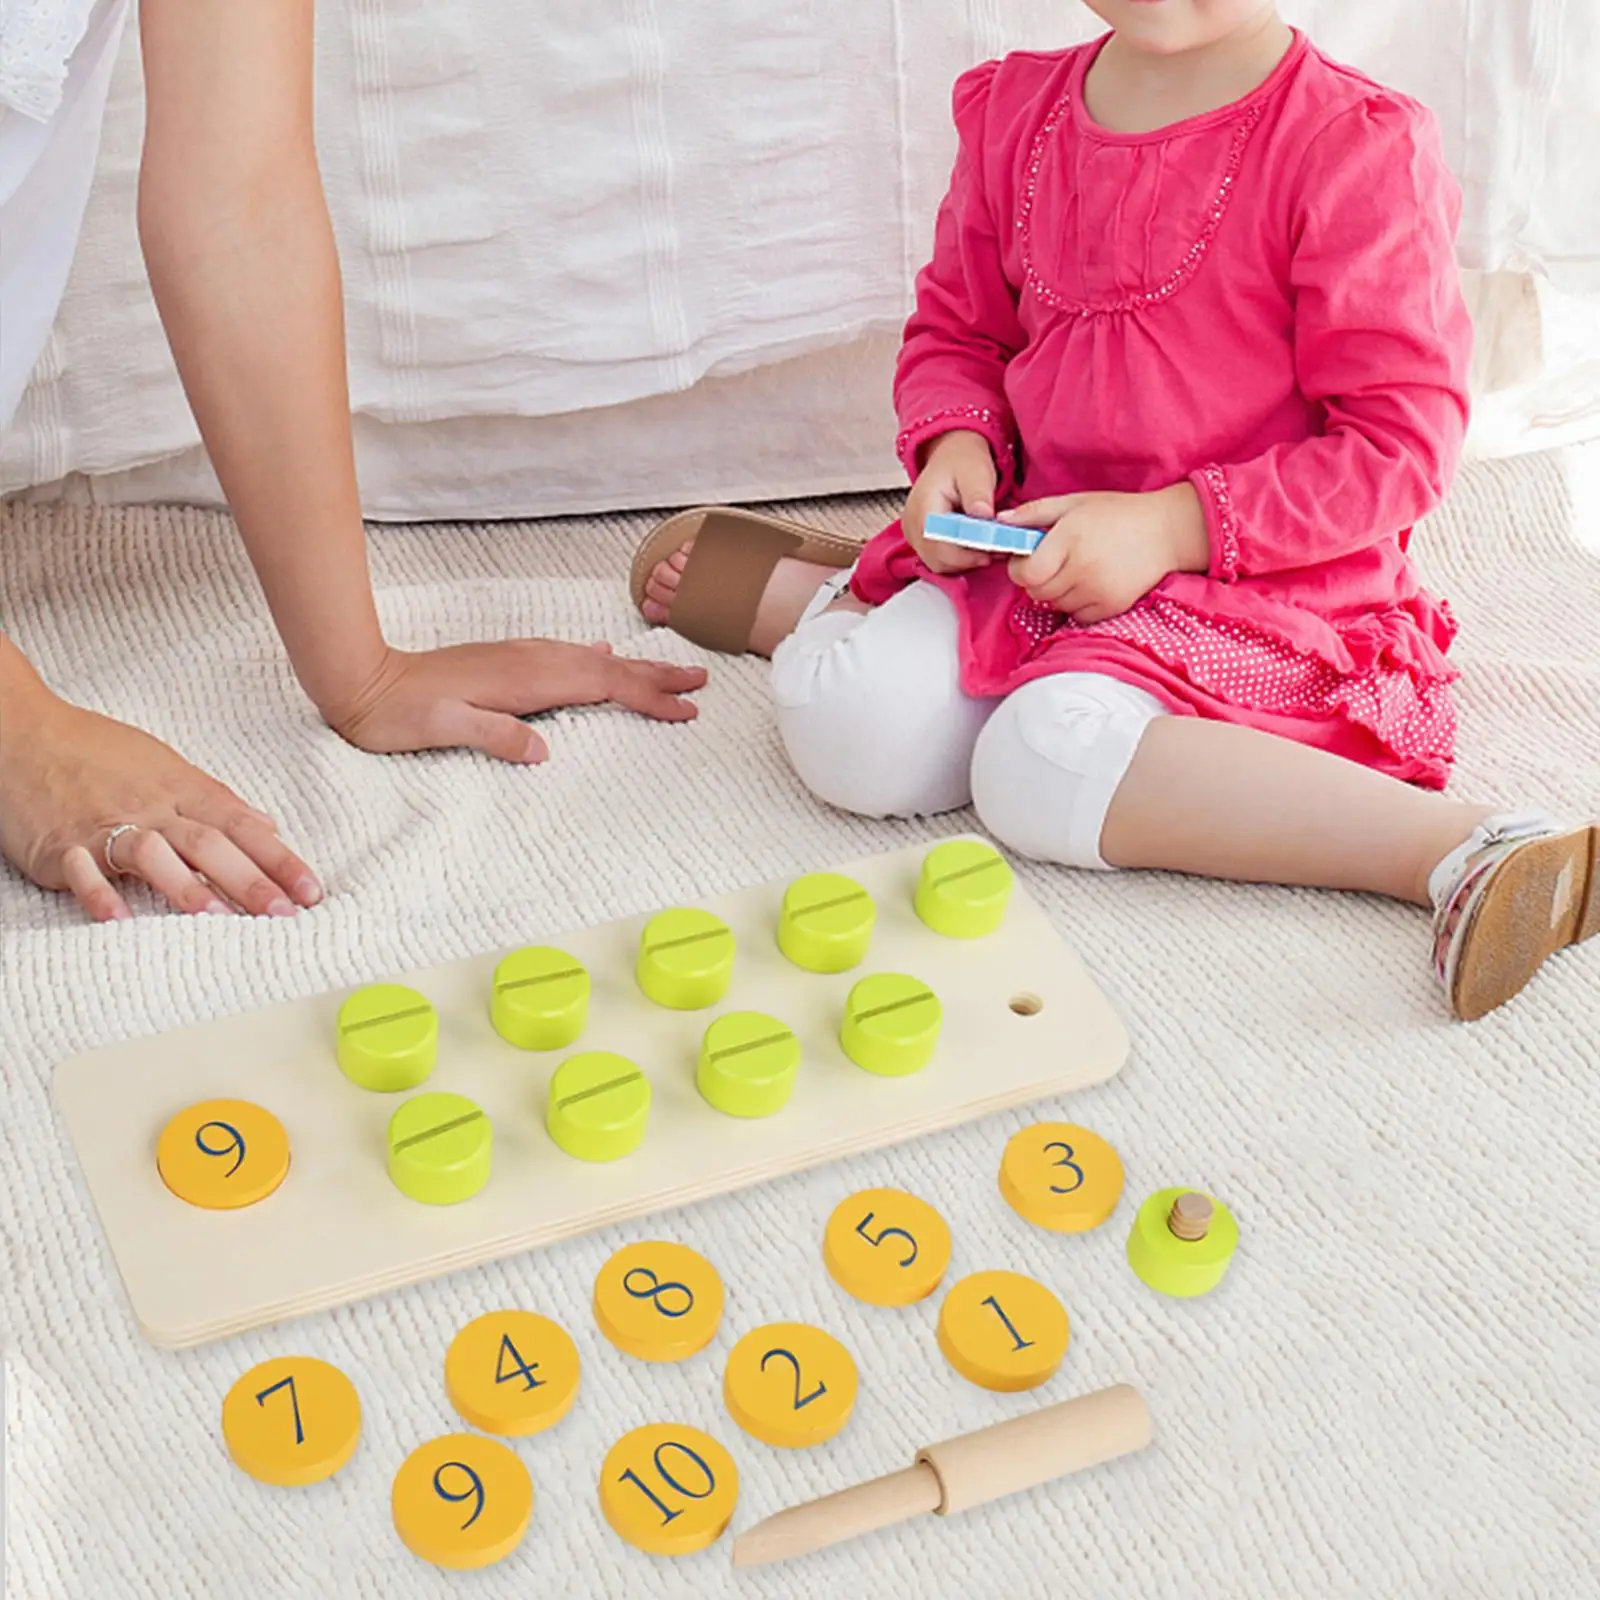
(658,1301)
(1003,1331)
(512,1372)
(669,1489)
(886,1247)
(790,1384)
(462,1501)
(292,1421)
(223,1154)
(1060,1176)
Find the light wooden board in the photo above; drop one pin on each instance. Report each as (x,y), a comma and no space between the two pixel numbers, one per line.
(338,1230)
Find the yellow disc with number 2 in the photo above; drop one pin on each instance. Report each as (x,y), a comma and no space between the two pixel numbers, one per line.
(790,1384)
(292,1421)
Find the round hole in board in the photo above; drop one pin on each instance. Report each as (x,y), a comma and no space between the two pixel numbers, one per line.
(1027,1005)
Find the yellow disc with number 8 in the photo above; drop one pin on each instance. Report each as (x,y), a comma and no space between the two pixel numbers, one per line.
(790,1384)
(292,1421)
(223,1154)
(1060,1176)
(886,1247)
(658,1301)
(512,1373)
(462,1501)
(669,1489)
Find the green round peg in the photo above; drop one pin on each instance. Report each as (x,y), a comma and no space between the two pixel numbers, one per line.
(748,1064)
(599,1106)
(540,999)
(964,889)
(439,1148)
(686,959)
(826,923)
(891,1024)
(388,1037)
(1182,1242)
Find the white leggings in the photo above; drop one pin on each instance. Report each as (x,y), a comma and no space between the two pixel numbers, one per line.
(873,716)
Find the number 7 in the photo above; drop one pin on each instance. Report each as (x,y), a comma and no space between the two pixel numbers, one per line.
(294,1400)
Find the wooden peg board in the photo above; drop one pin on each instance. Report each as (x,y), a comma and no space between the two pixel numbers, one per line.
(1023,1020)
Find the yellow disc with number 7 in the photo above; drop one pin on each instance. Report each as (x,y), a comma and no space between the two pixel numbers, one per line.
(512,1373)
(1060,1176)
(223,1154)
(292,1421)
(886,1247)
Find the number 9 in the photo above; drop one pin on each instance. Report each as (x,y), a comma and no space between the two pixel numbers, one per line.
(476,1489)
(236,1143)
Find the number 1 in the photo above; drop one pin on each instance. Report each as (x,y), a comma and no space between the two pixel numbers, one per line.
(294,1400)
(1021,1344)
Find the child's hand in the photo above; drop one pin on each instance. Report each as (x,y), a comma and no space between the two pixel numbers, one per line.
(1105,552)
(957,476)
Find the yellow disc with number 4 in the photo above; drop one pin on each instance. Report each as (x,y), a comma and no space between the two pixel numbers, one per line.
(292,1421)
(223,1154)
(790,1384)
(886,1247)
(512,1372)
(462,1501)
(1060,1176)
(669,1489)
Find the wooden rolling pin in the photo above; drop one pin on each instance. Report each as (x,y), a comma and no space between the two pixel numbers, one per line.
(961,1473)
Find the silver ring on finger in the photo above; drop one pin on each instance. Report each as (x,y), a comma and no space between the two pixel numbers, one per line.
(111,846)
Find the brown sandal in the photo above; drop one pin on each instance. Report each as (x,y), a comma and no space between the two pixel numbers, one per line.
(733,557)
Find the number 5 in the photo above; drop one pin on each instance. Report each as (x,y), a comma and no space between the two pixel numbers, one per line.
(887,1233)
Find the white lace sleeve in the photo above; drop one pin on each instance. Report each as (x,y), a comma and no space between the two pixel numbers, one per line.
(37,38)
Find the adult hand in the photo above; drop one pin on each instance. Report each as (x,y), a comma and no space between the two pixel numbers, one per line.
(1105,552)
(958,475)
(473,694)
(68,777)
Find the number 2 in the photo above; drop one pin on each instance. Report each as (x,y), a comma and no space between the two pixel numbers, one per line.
(786,1355)
(236,1143)
(630,1476)
(1069,1163)
(519,1367)
(887,1233)
(294,1400)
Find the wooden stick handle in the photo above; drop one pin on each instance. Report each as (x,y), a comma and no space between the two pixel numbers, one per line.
(1035,1448)
(836,1517)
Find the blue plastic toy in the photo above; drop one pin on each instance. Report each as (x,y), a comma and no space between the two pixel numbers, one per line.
(973,533)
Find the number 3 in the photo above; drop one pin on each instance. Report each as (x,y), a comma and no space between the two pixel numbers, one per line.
(1069,1163)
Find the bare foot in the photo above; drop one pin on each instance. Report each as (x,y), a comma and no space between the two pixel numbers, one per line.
(791,588)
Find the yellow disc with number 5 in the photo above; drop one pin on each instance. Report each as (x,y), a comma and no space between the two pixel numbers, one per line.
(462,1501)
(669,1489)
(790,1384)
(886,1247)
(292,1421)
(512,1372)
(223,1154)
(1060,1176)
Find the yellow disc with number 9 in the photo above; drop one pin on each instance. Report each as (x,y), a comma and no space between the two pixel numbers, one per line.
(223,1154)
(790,1384)
(462,1501)
(292,1421)
(512,1372)
(886,1247)
(669,1489)
(1060,1176)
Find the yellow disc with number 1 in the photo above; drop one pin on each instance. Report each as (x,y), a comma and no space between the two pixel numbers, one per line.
(292,1421)
(462,1501)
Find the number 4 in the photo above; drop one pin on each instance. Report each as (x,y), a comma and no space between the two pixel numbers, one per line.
(519,1367)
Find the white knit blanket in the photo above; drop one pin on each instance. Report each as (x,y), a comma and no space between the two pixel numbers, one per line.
(1396,1392)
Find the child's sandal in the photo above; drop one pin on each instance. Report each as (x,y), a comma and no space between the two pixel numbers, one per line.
(733,557)
(1523,889)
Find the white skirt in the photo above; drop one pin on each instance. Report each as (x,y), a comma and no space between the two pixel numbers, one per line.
(46,169)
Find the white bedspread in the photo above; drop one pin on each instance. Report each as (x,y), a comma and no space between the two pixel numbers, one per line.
(544,211)
(1395,1395)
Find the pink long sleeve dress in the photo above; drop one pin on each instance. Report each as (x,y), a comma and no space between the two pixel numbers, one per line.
(1264,301)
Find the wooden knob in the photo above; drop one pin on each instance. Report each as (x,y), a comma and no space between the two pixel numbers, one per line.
(1190,1217)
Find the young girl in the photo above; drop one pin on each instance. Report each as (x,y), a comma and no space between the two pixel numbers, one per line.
(1193,307)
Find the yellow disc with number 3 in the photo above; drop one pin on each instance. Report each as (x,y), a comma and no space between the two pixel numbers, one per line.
(292,1421)
(512,1372)
(1060,1176)
(223,1154)
(886,1247)
(462,1501)
(790,1384)
(669,1489)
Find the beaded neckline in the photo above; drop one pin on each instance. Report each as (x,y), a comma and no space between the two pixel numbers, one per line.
(1193,256)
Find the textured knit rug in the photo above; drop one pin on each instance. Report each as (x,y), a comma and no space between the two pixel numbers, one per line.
(1395,1393)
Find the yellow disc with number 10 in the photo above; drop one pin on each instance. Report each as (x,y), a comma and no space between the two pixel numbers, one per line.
(462,1501)
(223,1154)
(669,1489)
(512,1373)
(886,1247)
(292,1421)
(1061,1176)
